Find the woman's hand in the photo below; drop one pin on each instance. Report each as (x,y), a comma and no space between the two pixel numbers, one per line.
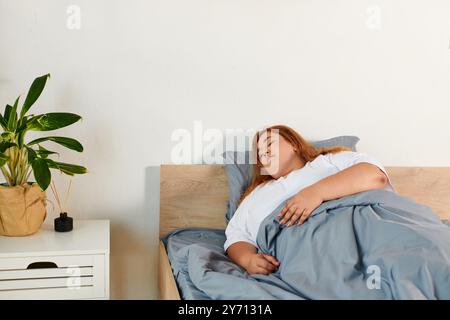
(260,263)
(300,206)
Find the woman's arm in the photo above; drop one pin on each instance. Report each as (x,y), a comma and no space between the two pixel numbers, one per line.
(240,252)
(245,255)
(240,247)
(357,178)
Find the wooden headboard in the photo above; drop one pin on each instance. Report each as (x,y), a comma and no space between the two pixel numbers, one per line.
(196,195)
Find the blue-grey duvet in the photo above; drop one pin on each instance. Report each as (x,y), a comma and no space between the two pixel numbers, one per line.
(371,245)
(178,245)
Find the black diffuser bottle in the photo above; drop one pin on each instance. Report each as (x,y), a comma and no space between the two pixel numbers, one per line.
(63,223)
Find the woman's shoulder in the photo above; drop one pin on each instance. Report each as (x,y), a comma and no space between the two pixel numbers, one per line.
(329,157)
(263,186)
(345,154)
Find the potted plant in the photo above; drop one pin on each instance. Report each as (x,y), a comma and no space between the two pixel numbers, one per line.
(23,203)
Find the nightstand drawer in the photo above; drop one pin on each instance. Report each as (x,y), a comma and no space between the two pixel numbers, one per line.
(53,277)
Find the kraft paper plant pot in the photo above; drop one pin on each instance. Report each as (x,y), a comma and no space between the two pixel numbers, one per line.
(22,209)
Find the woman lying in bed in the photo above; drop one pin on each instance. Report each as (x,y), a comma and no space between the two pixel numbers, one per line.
(288,167)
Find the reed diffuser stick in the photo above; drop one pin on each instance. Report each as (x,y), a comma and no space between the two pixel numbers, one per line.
(55,193)
(67,195)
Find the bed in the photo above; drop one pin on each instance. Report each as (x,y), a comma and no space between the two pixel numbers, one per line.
(193,202)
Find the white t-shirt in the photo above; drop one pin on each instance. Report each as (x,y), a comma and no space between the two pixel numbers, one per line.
(245,222)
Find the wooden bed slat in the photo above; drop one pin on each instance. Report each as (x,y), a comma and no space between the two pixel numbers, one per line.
(426,185)
(192,195)
(168,289)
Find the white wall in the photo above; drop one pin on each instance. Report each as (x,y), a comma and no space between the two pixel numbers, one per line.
(137,70)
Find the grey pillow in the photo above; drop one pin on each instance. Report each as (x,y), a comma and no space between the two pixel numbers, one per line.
(239,170)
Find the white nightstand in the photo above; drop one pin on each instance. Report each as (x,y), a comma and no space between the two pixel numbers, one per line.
(54,265)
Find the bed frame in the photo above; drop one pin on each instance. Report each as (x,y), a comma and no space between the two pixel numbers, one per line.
(196,196)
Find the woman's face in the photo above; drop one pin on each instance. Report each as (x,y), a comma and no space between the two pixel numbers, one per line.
(276,154)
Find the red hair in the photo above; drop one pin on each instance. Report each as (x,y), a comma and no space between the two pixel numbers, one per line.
(305,150)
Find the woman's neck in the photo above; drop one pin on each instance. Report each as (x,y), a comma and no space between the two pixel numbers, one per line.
(295,164)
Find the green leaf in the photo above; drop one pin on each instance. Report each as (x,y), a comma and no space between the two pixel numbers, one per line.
(22,125)
(7,136)
(4,145)
(41,173)
(64,141)
(12,117)
(31,154)
(32,121)
(3,122)
(52,121)
(20,138)
(21,130)
(3,159)
(44,153)
(66,168)
(12,121)
(8,110)
(33,93)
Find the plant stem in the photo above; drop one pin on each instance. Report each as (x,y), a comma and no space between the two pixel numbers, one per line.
(7,176)
(14,161)
(19,168)
(22,171)
(29,172)
(10,154)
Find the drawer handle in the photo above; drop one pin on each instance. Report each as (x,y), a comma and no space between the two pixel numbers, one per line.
(42,265)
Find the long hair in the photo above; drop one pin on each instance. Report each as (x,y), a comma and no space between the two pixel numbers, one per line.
(305,150)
